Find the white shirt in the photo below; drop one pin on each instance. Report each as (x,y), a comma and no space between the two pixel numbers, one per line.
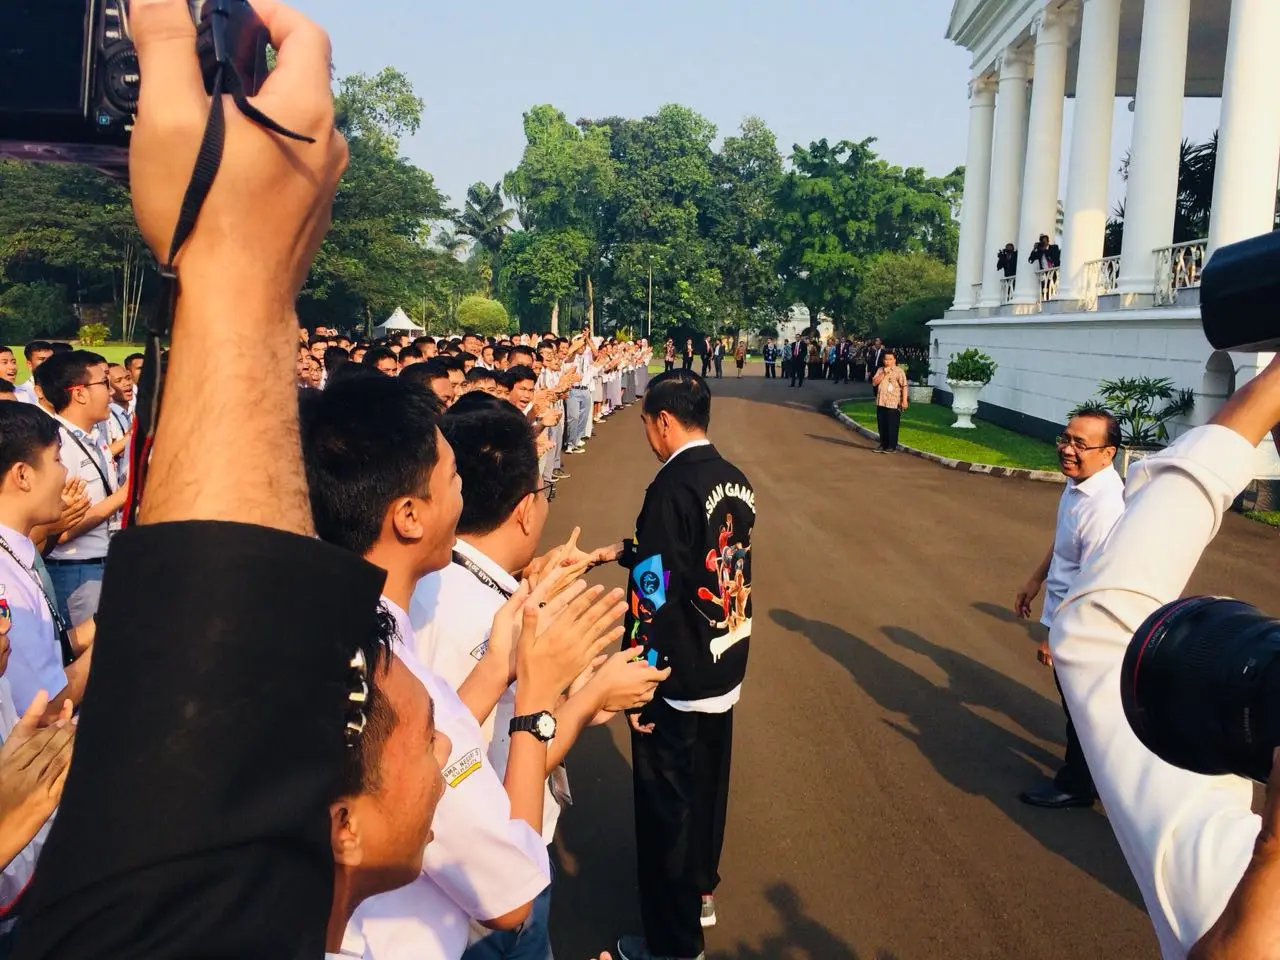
(1086,513)
(27,392)
(453,612)
(17,874)
(481,864)
(118,424)
(1186,837)
(725,701)
(91,461)
(35,652)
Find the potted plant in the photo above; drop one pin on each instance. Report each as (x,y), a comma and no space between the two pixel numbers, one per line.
(967,373)
(1144,407)
(919,389)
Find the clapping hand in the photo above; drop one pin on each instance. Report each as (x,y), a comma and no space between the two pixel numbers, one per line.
(561,638)
(33,769)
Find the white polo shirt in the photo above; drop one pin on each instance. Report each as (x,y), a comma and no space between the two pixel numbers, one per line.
(35,653)
(86,456)
(17,874)
(1086,513)
(481,864)
(453,611)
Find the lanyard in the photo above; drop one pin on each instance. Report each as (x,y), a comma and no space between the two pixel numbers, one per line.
(64,641)
(475,571)
(97,465)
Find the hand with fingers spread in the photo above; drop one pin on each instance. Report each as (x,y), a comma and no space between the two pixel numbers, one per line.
(554,649)
(625,681)
(33,768)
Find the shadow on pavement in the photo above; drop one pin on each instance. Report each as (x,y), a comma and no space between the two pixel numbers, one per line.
(973,753)
(837,442)
(1035,629)
(801,937)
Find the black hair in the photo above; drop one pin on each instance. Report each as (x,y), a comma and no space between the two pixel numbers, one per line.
(1112,425)
(681,393)
(423,341)
(411,352)
(501,353)
(4,349)
(463,357)
(523,351)
(34,347)
(62,371)
(59,346)
(335,357)
(132,357)
(518,374)
(345,371)
(437,368)
(476,374)
(497,460)
(25,430)
(477,400)
(359,770)
(375,354)
(366,441)
(7,387)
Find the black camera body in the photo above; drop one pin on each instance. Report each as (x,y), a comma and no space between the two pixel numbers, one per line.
(69,77)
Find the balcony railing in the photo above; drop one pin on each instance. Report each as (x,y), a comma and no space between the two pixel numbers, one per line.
(1006,289)
(1100,278)
(1178,267)
(1048,282)
(977,293)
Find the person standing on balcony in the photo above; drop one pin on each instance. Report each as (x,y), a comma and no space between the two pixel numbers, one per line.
(1007,260)
(1045,255)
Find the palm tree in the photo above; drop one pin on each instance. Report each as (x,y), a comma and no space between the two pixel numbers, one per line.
(450,242)
(486,218)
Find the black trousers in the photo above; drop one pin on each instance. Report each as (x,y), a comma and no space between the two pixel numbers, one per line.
(1074,777)
(797,373)
(706,364)
(770,371)
(719,367)
(669,365)
(888,419)
(680,773)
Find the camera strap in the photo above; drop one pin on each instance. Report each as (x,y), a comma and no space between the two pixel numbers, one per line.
(226,80)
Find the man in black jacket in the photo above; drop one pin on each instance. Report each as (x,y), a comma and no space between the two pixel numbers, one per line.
(689,601)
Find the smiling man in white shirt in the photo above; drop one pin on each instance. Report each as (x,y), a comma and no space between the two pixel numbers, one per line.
(1188,838)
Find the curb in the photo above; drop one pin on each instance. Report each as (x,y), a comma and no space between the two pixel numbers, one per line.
(1018,473)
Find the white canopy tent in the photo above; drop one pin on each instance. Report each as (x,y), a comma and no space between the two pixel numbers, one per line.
(398,322)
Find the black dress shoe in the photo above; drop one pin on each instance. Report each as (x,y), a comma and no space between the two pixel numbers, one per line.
(1049,796)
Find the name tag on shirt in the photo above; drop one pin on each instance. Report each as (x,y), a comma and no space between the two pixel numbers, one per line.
(463,767)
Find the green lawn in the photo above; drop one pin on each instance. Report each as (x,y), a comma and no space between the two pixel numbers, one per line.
(928,427)
(1270,517)
(114,352)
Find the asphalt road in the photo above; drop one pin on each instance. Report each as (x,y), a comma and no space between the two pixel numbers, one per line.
(893,710)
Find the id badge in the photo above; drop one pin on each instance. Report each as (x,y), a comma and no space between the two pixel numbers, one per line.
(116,523)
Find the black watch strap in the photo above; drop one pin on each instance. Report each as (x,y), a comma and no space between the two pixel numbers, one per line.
(627,559)
(541,725)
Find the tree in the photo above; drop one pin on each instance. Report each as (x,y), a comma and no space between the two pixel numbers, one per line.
(840,206)
(373,258)
(483,316)
(486,218)
(906,326)
(892,279)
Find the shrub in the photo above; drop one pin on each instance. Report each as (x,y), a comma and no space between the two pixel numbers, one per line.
(30,310)
(891,280)
(486,317)
(971,365)
(1145,406)
(905,326)
(93,334)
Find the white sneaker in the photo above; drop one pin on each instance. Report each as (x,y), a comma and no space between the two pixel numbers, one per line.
(708,917)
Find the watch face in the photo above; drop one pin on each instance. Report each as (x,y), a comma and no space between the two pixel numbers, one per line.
(546,726)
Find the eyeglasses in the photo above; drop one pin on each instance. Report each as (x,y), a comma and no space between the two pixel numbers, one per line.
(549,489)
(96,383)
(1079,445)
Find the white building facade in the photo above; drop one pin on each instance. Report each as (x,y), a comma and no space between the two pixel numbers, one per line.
(1056,332)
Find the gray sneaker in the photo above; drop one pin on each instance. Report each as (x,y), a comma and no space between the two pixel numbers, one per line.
(635,948)
(708,917)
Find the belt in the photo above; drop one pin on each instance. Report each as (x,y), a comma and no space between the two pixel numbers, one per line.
(578,386)
(75,563)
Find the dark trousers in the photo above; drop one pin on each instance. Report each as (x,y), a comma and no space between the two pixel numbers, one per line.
(706,364)
(688,363)
(681,778)
(669,365)
(797,373)
(1074,777)
(719,367)
(770,371)
(888,419)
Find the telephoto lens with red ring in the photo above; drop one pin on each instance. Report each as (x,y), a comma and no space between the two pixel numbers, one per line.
(1200,686)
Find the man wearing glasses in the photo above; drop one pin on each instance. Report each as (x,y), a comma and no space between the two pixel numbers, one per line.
(76,385)
(1090,506)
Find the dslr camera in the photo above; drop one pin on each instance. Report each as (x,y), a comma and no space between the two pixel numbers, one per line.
(69,77)
(1201,678)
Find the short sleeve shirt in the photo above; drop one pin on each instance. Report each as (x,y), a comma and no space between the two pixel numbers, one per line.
(35,652)
(481,863)
(86,457)
(889,391)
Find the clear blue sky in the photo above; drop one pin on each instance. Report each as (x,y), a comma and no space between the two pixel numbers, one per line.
(841,69)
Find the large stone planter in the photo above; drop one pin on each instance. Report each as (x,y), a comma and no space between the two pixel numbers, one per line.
(965,401)
(1128,457)
(920,393)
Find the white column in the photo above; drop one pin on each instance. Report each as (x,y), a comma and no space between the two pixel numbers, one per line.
(1007,154)
(977,182)
(1088,176)
(1150,205)
(1244,186)
(1044,147)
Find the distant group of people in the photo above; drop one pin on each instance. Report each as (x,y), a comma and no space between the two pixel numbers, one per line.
(1045,255)
(711,350)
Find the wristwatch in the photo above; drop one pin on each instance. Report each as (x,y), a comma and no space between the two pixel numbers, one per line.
(542,725)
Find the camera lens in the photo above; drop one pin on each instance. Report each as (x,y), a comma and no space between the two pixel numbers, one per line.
(1201,686)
